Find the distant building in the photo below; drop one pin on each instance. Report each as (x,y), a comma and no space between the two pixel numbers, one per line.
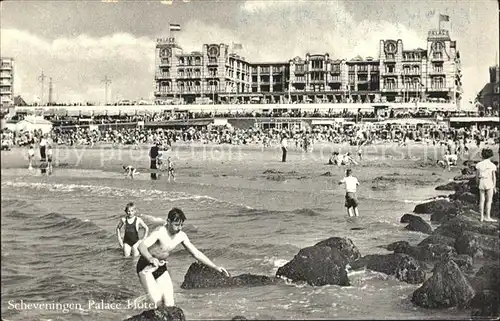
(397,75)
(6,82)
(488,97)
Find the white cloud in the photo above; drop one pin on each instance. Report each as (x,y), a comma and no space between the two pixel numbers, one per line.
(77,65)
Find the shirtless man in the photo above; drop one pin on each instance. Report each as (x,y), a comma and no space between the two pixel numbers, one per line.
(131,239)
(152,267)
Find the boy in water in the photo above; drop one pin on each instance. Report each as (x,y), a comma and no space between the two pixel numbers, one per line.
(49,159)
(151,267)
(132,223)
(130,171)
(31,156)
(170,169)
(351,184)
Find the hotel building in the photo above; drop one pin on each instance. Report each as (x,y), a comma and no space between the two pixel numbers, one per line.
(6,82)
(396,74)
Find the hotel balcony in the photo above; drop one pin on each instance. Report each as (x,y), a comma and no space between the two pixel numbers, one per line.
(162,75)
(6,67)
(317,81)
(438,89)
(6,84)
(389,73)
(5,75)
(437,58)
(436,72)
(389,89)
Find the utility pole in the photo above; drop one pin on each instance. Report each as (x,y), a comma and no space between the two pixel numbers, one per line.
(41,79)
(106,82)
(50,91)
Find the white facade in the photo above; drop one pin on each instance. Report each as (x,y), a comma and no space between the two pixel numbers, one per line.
(6,82)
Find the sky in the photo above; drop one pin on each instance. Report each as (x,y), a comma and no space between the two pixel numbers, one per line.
(78,43)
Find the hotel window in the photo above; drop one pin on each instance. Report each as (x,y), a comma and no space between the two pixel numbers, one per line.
(437,55)
(390,69)
(390,84)
(438,83)
(335,78)
(362,78)
(299,68)
(254,70)
(197,73)
(437,67)
(374,67)
(416,83)
(406,69)
(336,68)
(390,56)
(416,69)
(352,67)
(212,60)
(264,69)
(197,61)
(317,64)
(352,79)
(165,61)
(181,72)
(362,67)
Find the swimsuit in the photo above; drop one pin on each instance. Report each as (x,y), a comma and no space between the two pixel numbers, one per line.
(131,235)
(143,263)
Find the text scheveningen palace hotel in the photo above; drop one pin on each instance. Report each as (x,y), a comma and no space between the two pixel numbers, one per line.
(217,74)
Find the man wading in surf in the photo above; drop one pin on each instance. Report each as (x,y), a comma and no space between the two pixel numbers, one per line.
(152,267)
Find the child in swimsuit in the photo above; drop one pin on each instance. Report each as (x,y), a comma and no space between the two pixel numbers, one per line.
(132,224)
(170,169)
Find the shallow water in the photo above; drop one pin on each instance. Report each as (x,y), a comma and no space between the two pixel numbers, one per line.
(59,243)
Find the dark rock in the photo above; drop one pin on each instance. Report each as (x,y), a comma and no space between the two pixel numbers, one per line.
(357,228)
(485,304)
(397,245)
(447,287)
(344,245)
(478,245)
(239,317)
(464,177)
(278,178)
(419,225)
(428,252)
(160,314)
(406,218)
(321,264)
(438,239)
(199,276)
(467,198)
(326,174)
(462,223)
(470,163)
(271,171)
(447,187)
(442,207)
(464,262)
(402,266)
(487,278)
(317,265)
